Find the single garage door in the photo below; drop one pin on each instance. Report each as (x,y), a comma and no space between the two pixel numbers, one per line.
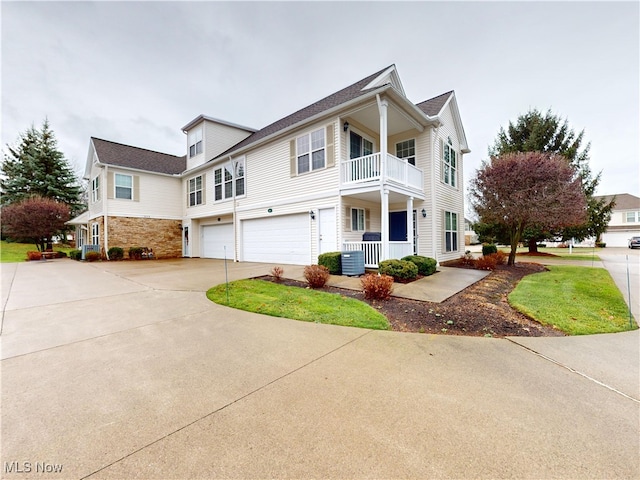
(618,239)
(282,239)
(215,238)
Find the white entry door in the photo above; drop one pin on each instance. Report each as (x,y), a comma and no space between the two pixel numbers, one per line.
(327,238)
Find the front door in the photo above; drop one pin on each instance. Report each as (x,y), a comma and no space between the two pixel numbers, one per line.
(185,241)
(398,228)
(359,146)
(327,239)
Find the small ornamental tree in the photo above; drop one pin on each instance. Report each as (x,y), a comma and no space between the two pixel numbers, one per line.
(530,189)
(36,219)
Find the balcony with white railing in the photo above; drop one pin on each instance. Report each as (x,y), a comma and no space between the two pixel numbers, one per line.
(367,169)
(373,251)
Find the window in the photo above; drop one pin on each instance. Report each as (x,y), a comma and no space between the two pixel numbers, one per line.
(223,182)
(407,149)
(633,217)
(449,165)
(310,151)
(95,234)
(239,173)
(357,219)
(95,189)
(359,146)
(195,191)
(451,231)
(195,143)
(124,186)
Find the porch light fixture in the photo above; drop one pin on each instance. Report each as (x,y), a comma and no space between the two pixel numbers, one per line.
(345,127)
(424,213)
(312,214)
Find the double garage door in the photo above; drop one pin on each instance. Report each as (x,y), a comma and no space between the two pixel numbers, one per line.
(284,239)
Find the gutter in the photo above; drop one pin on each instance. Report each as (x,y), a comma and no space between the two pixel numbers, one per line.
(105,212)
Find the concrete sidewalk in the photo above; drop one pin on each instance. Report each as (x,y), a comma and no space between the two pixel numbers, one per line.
(126,370)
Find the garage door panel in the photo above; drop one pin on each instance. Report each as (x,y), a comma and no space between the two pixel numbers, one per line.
(214,240)
(284,239)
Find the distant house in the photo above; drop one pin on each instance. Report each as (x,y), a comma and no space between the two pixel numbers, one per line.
(470,236)
(625,220)
(362,169)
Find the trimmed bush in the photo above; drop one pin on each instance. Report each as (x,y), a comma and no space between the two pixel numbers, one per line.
(486,262)
(316,275)
(116,253)
(426,265)
(489,248)
(377,287)
(277,272)
(92,256)
(135,253)
(331,260)
(75,254)
(501,257)
(34,255)
(398,269)
(467,259)
(601,244)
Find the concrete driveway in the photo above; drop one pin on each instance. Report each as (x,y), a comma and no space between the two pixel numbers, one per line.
(126,370)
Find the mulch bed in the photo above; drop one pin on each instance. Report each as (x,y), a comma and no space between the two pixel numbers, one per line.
(479,310)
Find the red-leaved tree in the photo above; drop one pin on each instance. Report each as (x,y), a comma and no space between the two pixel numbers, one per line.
(528,189)
(36,219)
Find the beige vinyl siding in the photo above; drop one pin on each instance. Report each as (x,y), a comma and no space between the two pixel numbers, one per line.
(95,208)
(448,198)
(216,138)
(155,196)
(372,218)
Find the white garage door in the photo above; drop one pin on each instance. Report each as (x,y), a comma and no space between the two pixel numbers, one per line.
(283,239)
(618,239)
(215,238)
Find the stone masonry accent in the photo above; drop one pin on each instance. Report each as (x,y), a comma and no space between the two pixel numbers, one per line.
(163,236)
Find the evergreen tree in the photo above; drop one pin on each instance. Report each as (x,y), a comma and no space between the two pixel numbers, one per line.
(35,167)
(548,133)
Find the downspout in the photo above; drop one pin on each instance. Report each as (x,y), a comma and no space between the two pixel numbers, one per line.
(235,227)
(434,230)
(105,198)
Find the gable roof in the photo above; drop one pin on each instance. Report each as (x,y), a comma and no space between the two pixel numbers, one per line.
(624,201)
(433,106)
(117,154)
(341,96)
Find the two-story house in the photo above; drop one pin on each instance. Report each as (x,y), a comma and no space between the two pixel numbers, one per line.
(625,220)
(362,169)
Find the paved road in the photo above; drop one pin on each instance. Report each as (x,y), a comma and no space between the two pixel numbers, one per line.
(125,370)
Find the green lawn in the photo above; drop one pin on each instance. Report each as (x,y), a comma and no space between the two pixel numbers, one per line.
(17,252)
(308,305)
(578,253)
(577,300)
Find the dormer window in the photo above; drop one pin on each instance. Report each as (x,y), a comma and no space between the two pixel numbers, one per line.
(195,143)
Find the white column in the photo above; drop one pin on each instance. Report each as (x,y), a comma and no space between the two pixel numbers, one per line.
(410,222)
(384,194)
(382,107)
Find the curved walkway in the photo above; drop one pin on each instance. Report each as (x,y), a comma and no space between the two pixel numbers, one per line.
(126,370)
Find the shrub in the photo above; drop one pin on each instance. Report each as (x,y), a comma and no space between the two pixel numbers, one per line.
(115,253)
(467,259)
(501,257)
(75,254)
(377,287)
(488,249)
(316,275)
(135,253)
(426,265)
(486,262)
(60,254)
(398,269)
(331,260)
(33,255)
(277,272)
(601,244)
(92,256)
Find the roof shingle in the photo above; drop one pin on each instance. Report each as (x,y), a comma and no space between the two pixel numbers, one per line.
(117,154)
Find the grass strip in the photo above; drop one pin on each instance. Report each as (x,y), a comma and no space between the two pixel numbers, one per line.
(576,300)
(11,252)
(259,296)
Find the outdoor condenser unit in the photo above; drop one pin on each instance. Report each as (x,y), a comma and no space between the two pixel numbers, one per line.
(353,263)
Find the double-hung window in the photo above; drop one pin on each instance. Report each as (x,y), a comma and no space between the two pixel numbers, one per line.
(310,151)
(450,232)
(357,219)
(449,164)
(224,178)
(195,143)
(633,217)
(239,175)
(95,189)
(195,191)
(407,150)
(95,234)
(124,186)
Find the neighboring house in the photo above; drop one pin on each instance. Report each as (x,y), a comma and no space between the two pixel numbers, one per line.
(625,220)
(470,236)
(364,163)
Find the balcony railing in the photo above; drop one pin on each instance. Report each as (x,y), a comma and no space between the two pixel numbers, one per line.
(373,251)
(368,168)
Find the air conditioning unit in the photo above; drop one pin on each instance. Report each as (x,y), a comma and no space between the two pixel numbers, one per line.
(352,263)
(89,248)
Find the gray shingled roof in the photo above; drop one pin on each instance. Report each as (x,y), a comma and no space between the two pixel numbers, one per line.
(433,106)
(624,201)
(117,154)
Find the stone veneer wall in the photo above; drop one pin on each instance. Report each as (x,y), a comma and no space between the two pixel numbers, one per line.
(163,236)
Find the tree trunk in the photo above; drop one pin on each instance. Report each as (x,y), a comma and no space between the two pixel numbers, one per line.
(533,245)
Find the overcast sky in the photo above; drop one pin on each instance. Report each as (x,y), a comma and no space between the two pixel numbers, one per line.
(136,72)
